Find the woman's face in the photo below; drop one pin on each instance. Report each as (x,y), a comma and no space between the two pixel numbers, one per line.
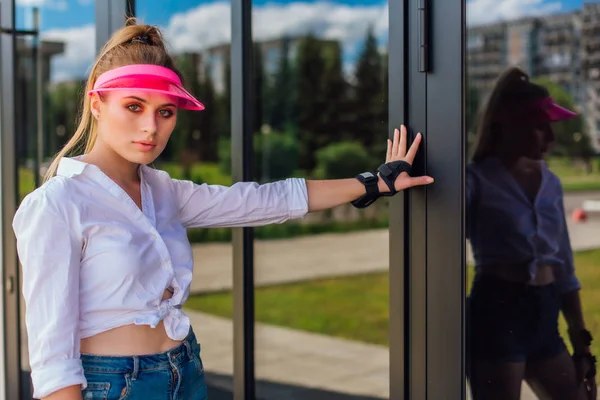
(135,124)
(543,138)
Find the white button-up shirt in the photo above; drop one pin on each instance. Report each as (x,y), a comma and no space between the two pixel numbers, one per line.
(93,260)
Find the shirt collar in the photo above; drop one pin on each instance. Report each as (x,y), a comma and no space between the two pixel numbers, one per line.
(70,166)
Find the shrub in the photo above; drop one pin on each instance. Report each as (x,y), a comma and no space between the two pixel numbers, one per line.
(281,150)
(342,160)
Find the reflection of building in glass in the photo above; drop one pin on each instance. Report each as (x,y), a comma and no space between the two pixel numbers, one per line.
(562,47)
(215,60)
(590,64)
(25,93)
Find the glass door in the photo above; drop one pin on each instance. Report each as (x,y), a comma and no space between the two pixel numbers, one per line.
(508,262)
(46,52)
(533,179)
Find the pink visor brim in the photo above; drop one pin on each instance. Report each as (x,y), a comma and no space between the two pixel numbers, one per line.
(153,78)
(554,112)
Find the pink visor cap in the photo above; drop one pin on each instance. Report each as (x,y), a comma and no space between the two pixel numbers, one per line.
(153,78)
(552,111)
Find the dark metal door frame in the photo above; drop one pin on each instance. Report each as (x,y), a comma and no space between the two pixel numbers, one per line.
(10,351)
(436,259)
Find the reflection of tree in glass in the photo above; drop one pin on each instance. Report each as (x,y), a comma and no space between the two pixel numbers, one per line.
(61,114)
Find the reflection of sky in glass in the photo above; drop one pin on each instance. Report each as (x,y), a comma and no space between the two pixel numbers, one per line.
(192,25)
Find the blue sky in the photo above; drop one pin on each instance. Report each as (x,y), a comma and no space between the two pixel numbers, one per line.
(70,13)
(195,24)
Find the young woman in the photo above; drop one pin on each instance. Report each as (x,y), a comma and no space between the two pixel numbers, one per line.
(106,261)
(523,260)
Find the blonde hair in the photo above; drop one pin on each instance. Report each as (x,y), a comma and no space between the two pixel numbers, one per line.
(120,50)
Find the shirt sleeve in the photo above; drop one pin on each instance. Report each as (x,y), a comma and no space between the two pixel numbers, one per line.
(242,204)
(566,280)
(50,256)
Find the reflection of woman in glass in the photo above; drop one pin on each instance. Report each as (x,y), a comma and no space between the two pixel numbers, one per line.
(523,261)
(106,261)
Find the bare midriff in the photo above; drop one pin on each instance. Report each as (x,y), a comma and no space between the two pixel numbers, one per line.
(130,340)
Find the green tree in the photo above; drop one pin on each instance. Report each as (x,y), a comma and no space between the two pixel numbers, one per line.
(259,89)
(310,103)
(62,114)
(276,151)
(281,93)
(370,109)
(206,141)
(336,113)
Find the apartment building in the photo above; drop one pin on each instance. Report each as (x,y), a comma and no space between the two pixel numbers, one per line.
(590,66)
(214,60)
(563,47)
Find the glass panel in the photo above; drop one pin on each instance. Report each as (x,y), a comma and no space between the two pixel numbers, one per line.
(533,197)
(195,152)
(321,282)
(50,70)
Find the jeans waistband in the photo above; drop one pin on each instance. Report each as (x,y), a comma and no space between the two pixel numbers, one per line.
(138,363)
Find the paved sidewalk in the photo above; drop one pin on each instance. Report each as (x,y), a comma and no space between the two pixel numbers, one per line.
(326,255)
(297,361)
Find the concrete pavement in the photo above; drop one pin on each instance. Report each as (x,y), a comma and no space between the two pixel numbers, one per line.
(300,361)
(327,255)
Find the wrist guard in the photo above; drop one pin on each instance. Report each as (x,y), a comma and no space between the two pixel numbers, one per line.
(389,172)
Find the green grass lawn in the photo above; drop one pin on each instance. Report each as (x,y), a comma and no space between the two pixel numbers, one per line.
(574,179)
(357,307)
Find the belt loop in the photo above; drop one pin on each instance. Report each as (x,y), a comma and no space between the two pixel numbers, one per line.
(136,367)
(188,349)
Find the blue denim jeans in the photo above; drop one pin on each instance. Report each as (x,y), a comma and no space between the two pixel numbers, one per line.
(177,374)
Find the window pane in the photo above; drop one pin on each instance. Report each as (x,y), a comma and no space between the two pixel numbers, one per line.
(321,283)
(532,195)
(50,71)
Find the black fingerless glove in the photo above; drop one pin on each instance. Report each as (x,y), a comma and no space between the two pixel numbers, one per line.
(388,172)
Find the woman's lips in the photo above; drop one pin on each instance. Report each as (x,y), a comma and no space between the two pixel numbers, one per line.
(145,146)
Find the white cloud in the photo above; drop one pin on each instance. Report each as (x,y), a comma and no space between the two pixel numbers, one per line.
(487,11)
(209,24)
(51,4)
(80,47)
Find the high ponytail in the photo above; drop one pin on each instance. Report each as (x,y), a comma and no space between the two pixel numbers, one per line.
(512,92)
(132,44)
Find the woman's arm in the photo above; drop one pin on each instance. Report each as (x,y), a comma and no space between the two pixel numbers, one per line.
(569,287)
(573,313)
(251,204)
(50,255)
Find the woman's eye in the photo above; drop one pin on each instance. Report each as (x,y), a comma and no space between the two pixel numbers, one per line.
(134,107)
(166,113)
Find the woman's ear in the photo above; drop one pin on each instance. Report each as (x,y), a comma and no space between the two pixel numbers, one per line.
(95,103)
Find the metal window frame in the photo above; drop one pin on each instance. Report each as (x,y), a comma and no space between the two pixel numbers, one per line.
(446,258)
(436,266)
(111,16)
(11,386)
(242,150)
(398,209)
